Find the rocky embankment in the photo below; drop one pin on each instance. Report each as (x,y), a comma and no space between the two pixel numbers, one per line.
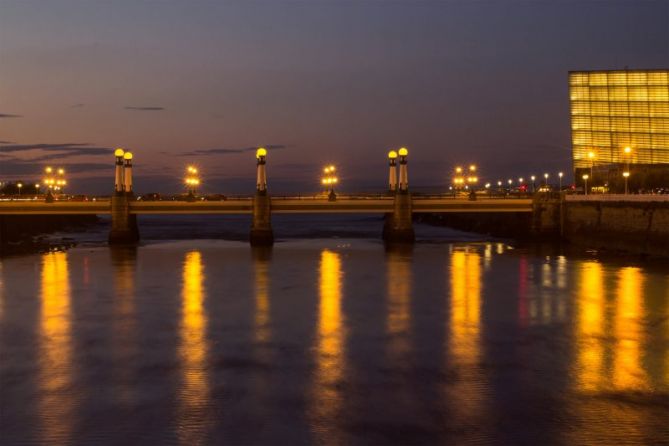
(21,234)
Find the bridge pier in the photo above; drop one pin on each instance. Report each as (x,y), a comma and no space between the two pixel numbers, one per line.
(261,227)
(124,230)
(398,226)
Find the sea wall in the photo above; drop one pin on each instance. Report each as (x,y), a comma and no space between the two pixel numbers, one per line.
(635,223)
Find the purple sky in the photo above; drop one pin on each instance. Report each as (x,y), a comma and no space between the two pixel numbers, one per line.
(320,81)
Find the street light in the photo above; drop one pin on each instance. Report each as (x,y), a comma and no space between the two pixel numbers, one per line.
(329,180)
(20,185)
(560,179)
(626,176)
(585,180)
(192,181)
(546,179)
(591,156)
(534,186)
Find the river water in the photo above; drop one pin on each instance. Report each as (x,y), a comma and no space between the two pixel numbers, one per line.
(458,340)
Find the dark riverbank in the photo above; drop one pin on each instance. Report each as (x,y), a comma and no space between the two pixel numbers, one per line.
(24,234)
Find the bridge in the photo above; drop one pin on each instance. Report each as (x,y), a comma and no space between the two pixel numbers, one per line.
(398,205)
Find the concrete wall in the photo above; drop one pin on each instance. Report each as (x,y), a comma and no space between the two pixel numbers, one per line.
(635,226)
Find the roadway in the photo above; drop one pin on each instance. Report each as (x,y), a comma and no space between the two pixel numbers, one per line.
(285,205)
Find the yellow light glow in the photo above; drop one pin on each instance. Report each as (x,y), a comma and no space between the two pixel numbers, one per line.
(55,406)
(590,367)
(586,176)
(127,156)
(261,152)
(464,328)
(119,152)
(472,168)
(626,174)
(327,396)
(193,350)
(392,154)
(48,170)
(403,151)
(458,169)
(628,150)
(61,171)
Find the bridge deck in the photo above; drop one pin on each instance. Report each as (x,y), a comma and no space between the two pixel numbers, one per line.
(279,206)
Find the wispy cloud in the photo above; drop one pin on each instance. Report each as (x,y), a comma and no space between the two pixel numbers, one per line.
(228,151)
(144,108)
(6,142)
(54,151)
(16,167)
(77,105)
(7,115)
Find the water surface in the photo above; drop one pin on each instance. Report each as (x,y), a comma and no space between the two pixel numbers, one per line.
(334,341)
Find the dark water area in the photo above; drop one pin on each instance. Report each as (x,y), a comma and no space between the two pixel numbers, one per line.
(329,340)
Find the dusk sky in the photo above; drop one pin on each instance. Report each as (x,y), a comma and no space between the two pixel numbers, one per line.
(314,81)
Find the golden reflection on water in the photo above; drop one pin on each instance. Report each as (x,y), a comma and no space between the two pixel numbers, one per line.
(55,362)
(194,390)
(627,370)
(609,337)
(125,344)
(465,332)
(398,322)
(590,327)
(330,359)
(465,305)
(262,310)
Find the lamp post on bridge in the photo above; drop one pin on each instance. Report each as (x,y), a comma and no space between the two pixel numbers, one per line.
(560,174)
(329,180)
(192,182)
(392,171)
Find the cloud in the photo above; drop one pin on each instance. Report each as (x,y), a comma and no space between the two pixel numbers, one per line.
(77,105)
(6,115)
(55,151)
(205,152)
(6,142)
(16,167)
(144,108)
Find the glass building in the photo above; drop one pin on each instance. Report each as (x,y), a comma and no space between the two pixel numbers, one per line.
(615,110)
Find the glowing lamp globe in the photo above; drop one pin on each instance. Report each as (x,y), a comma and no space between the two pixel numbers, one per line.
(127,156)
(403,151)
(392,154)
(261,152)
(118,152)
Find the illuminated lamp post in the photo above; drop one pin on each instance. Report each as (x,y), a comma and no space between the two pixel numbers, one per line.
(392,168)
(626,175)
(585,182)
(560,174)
(591,157)
(534,185)
(192,181)
(49,183)
(329,180)
(20,185)
(404,173)
(458,179)
(546,179)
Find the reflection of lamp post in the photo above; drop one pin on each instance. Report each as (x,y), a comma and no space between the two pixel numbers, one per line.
(585,181)
(626,176)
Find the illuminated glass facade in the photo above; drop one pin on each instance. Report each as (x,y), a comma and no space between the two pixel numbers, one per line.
(611,110)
